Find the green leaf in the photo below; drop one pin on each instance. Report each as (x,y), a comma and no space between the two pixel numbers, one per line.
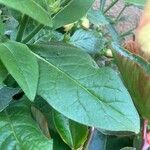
(6,94)
(30,8)
(41,120)
(72,12)
(22,65)
(19,131)
(72,133)
(47,110)
(97,18)
(136,75)
(3,73)
(136,2)
(71,82)
(89,41)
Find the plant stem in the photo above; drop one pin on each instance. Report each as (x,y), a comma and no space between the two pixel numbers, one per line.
(110,6)
(118,17)
(102,5)
(145,145)
(22,27)
(127,33)
(33,33)
(86,145)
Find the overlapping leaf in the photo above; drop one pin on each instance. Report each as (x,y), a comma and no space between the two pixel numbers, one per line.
(22,65)
(136,2)
(6,94)
(73,133)
(19,130)
(72,12)
(136,74)
(71,82)
(30,8)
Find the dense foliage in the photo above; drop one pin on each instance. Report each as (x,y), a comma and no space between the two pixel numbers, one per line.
(59,86)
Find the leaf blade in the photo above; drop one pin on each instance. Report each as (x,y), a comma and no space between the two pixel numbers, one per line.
(22,65)
(29,7)
(68,14)
(87,94)
(17,125)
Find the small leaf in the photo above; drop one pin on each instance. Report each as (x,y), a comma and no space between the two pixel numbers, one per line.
(30,8)
(89,41)
(6,94)
(72,133)
(71,82)
(22,65)
(69,13)
(19,130)
(41,120)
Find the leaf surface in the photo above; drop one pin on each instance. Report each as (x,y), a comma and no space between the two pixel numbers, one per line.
(22,65)
(73,133)
(136,75)
(6,94)
(71,82)
(30,8)
(19,130)
(69,13)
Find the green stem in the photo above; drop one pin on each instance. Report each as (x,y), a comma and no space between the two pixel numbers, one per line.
(90,136)
(102,5)
(118,17)
(127,33)
(33,33)
(22,27)
(110,6)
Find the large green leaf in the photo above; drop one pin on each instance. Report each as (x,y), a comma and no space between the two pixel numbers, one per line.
(22,65)
(3,73)
(136,74)
(136,2)
(19,131)
(6,94)
(71,82)
(72,12)
(72,133)
(30,8)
